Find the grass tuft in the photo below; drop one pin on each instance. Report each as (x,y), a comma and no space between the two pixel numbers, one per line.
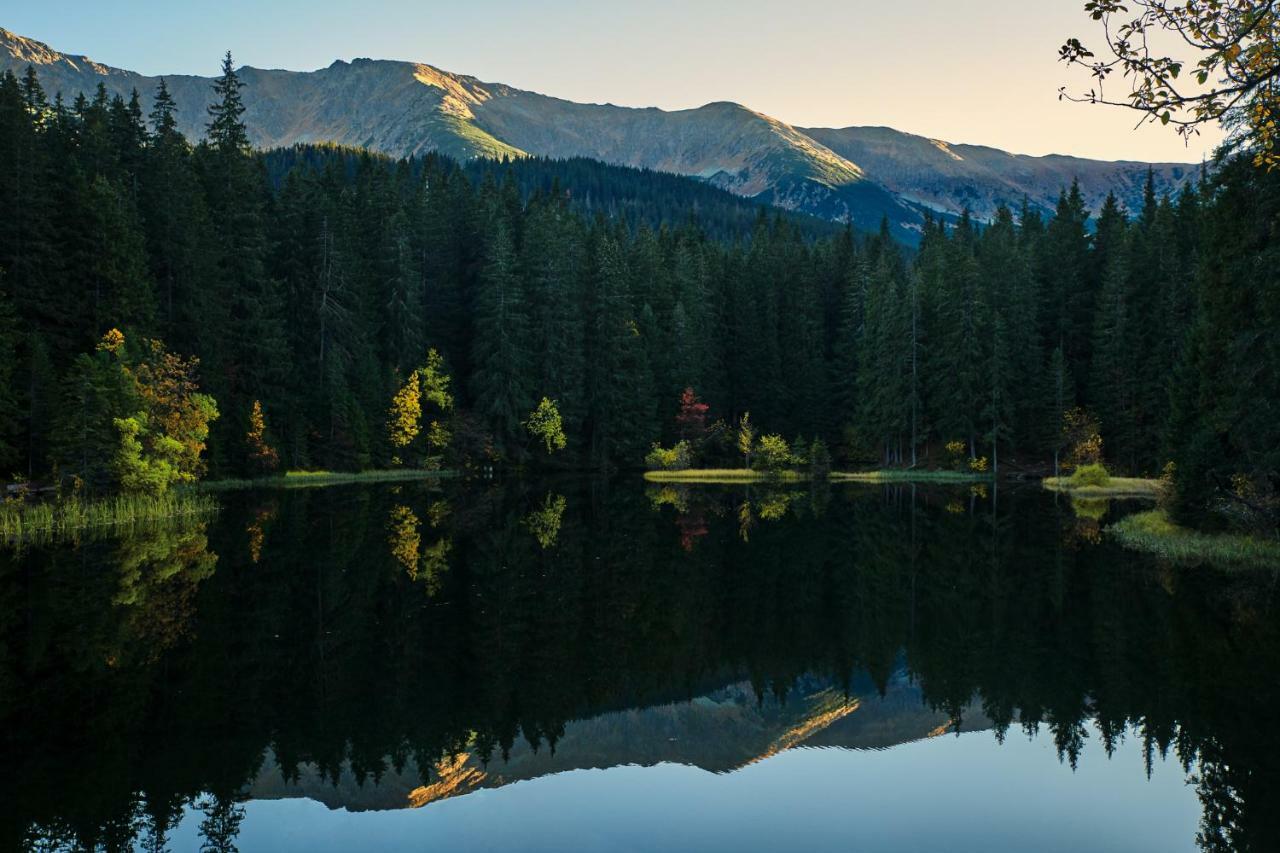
(1154,533)
(1117,487)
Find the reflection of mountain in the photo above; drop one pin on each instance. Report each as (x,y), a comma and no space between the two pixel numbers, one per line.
(719,732)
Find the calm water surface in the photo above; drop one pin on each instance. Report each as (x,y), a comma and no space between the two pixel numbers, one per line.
(562,665)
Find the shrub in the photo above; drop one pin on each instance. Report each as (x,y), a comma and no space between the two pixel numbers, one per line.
(956,453)
(677,458)
(772,453)
(1093,474)
(979,465)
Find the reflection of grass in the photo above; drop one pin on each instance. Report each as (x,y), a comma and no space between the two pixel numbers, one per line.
(1119,487)
(1093,509)
(905,475)
(713,476)
(306,479)
(1154,533)
(56,519)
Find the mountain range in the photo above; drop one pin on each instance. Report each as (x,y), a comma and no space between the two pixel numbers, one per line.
(857,174)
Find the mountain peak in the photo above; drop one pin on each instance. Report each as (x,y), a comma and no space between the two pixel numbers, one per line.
(27,51)
(857,174)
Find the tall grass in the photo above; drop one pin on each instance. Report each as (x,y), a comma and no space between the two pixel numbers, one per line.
(1154,533)
(307,479)
(909,475)
(56,519)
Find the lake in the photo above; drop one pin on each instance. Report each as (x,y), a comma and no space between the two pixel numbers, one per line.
(612,665)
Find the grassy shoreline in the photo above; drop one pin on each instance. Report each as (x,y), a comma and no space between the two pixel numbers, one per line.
(54,519)
(730,476)
(725,476)
(907,475)
(1154,533)
(1119,487)
(312,479)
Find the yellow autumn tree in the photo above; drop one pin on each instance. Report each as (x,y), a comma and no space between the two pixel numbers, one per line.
(404,421)
(162,442)
(261,454)
(427,385)
(545,425)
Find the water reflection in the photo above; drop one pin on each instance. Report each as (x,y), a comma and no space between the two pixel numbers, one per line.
(373,647)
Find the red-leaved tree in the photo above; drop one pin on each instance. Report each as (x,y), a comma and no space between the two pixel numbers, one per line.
(691,420)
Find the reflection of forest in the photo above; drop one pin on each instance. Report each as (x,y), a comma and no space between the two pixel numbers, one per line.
(721,731)
(352,633)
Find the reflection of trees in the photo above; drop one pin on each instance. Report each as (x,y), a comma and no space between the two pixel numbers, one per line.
(221,823)
(544,522)
(96,619)
(320,655)
(427,564)
(256,530)
(159,570)
(405,538)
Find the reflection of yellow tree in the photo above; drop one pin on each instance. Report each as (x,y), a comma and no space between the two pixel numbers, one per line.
(257,531)
(774,505)
(437,512)
(544,523)
(668,496)
(434,563)
(405,538)
(159,569)
(745,521)
(1089,513)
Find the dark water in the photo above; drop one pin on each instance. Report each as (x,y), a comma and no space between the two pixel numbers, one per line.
(605,666)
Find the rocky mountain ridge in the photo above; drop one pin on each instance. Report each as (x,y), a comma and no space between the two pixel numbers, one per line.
(859,174)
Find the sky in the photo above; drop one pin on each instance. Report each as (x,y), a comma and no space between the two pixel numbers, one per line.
(966,71)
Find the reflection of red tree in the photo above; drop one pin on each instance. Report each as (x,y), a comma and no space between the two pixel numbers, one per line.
(692,527)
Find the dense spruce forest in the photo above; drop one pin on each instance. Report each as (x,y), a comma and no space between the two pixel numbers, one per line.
(306,285)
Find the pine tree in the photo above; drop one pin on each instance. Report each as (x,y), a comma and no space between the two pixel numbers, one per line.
(500,357)
(10,411)
(959,366)
(243,332)
(225,131)
(172,206)
(1113,384)
(1067,313)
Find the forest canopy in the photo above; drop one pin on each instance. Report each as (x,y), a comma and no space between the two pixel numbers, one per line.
(308,294)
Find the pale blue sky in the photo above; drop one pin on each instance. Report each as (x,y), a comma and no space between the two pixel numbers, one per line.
(981,71)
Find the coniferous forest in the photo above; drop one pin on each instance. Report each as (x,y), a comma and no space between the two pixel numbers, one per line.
(296,290)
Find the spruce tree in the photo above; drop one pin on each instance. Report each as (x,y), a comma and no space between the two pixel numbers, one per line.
(501,357)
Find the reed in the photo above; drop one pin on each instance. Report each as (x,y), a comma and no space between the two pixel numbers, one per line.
(1154,533)
(21,521)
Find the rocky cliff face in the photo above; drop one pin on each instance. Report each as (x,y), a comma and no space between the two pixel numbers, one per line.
(401,108)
